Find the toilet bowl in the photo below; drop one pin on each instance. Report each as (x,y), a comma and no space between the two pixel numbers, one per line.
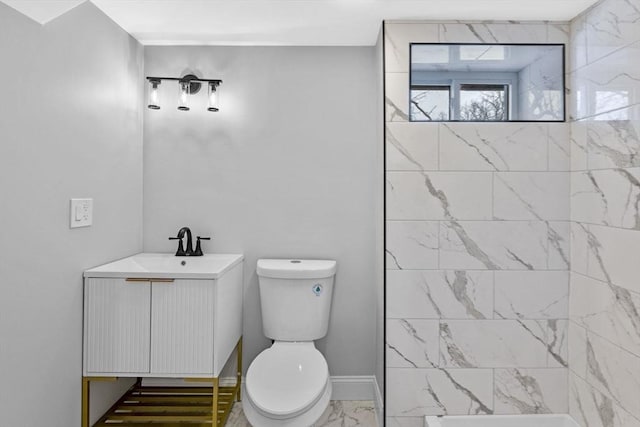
(288,384)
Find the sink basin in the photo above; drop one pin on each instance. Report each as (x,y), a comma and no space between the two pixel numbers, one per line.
(159,266)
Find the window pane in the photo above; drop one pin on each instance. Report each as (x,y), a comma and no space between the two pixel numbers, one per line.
(429,103)
(483,102)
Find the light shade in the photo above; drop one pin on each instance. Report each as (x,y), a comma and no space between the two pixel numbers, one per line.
(154,96)
(214,96)
(183,96)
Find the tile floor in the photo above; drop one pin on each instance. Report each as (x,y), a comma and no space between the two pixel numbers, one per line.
(340,413)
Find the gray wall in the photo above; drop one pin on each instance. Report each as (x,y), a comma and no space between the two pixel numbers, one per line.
(477,243)
(285,169)
(604,332)
(70,126)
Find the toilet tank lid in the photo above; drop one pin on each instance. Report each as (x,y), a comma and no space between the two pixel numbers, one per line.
(296,268)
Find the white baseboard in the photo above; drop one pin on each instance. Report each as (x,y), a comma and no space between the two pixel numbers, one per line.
(349,387)
(344,387)
(362,387)
(181,382)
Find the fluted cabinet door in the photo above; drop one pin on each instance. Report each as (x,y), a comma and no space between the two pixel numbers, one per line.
(117,326)
(182,327)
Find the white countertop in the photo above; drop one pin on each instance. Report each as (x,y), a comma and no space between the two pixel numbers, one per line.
(166,266)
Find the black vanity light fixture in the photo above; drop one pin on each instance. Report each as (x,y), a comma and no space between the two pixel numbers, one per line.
(188,85)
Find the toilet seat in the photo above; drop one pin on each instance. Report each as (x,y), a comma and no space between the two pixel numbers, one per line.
(287,379)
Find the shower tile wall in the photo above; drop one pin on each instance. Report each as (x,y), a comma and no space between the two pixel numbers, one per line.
(477,248)
(604,332)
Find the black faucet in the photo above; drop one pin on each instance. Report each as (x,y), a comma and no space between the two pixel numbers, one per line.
(181,251)
(189,252)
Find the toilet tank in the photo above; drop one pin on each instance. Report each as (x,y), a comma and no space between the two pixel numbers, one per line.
(295,297)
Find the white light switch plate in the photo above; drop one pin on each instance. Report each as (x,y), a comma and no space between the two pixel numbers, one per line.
(81,213)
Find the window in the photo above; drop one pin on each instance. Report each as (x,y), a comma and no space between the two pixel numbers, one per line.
(430,103)
(486,82)
(484,102)
(460,101)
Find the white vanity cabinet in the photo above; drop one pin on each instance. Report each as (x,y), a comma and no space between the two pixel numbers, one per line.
(168,324)
(158,315)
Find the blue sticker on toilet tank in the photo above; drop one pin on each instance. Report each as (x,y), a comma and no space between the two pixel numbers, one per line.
(317,289)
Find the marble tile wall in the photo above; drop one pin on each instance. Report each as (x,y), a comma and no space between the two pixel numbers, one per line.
(604,328)
(477,248)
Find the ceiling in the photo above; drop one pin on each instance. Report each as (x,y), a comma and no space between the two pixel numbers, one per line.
(291,22)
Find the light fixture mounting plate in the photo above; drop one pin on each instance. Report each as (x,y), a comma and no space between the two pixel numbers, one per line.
(194,86)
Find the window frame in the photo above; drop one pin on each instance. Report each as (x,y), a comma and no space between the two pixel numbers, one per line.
(454,87)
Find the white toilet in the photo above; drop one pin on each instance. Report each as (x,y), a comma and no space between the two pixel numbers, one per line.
(288,384)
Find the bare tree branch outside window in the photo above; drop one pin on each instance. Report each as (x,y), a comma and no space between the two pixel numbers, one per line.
(484,105)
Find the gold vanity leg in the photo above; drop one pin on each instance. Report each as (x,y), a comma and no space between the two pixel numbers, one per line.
(214,415)
(239,369)
(85,396)
(85,402)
